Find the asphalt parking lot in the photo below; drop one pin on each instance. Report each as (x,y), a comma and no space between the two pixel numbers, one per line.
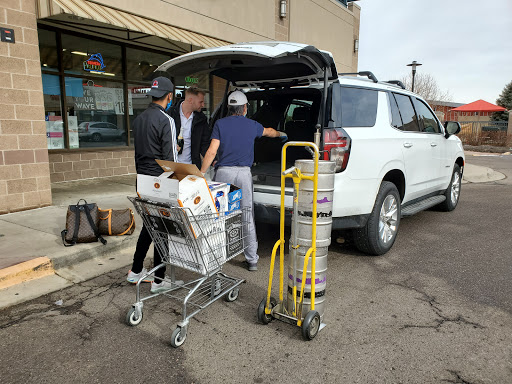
(436,309)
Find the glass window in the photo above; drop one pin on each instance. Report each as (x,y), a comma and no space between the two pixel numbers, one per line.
(53,112)
(141,64)
(48,49)
(139,101)
(358,107)
(409,119)
(89,57)
(428,121)
(95,113)
(396,119)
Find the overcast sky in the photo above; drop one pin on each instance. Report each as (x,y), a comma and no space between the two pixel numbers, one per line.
(466,45)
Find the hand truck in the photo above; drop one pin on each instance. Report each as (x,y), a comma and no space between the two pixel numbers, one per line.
(201,244)
(269,308)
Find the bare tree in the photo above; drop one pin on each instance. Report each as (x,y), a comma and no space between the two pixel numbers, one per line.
(426,86)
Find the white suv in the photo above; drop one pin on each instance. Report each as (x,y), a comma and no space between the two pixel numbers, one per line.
(394,158)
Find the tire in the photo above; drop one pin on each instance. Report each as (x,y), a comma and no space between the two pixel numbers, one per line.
(452,193)
(311,325)
(379,234)
(232,295)
(262,316)
(178,337)
(96,137)
(131,319)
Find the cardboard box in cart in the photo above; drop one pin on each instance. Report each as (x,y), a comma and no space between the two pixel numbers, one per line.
(227,197)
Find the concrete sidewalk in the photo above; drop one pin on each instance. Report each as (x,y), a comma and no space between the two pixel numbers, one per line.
(31,245)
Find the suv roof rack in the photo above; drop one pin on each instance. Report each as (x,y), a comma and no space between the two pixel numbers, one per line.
(367,74)
(396,82)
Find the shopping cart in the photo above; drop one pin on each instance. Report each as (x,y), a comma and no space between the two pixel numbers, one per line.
(200,244)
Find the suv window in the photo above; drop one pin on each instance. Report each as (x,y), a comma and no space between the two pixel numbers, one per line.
(428,122)
(409,119)
(358,107)
(396,119)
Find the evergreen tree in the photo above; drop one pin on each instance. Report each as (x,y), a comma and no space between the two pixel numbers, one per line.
(505,101)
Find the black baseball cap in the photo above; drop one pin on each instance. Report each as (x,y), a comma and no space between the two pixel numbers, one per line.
(160,86)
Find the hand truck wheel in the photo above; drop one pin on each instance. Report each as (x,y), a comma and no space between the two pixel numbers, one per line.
(132,319)
(311,325)
(232,295)
(178,337)
(262,316)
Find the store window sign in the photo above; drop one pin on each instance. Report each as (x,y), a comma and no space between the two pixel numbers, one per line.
(94,63)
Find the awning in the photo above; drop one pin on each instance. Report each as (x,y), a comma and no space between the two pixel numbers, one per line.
(124,20)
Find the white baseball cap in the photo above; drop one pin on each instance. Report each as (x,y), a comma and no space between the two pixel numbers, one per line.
(237,98)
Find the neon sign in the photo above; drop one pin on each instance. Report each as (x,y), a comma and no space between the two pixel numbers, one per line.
(191,80)
(94,63)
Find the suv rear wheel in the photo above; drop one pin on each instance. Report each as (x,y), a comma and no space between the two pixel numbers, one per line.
(379,233)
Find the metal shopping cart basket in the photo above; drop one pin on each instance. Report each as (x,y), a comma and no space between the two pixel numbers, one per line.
(201,244)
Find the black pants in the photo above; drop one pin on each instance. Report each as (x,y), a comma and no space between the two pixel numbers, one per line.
(141,251)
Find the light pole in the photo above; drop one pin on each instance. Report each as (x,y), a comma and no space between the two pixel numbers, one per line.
(414,64)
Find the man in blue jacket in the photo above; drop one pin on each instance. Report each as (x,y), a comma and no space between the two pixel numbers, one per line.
(233,139)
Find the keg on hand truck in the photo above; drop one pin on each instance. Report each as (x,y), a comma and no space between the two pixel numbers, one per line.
(311,231)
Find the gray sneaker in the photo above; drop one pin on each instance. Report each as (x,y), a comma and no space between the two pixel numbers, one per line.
(251,266)
(135,277)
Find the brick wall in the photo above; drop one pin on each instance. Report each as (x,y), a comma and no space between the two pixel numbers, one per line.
(87,165)
(282,24)
(24,169)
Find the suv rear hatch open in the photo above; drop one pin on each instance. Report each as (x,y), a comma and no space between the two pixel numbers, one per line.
(257,64)
(287,84)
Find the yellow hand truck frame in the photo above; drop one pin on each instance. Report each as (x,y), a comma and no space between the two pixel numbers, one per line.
(269,308)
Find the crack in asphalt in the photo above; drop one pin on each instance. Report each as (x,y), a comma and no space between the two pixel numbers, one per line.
(458,378)
(431,300)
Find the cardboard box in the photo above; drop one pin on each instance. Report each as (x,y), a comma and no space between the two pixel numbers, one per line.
(234,234)
(205,254)
(181,185)
(163,188)
(227,197)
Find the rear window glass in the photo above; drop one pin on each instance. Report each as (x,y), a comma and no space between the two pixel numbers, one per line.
(358,107)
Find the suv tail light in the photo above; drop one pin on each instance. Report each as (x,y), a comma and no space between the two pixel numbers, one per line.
(337,147)
(87,127)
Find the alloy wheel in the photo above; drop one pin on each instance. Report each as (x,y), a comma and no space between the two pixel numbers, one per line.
(388,219)
(455,190)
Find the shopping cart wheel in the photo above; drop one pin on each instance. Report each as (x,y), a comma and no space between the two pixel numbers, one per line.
(232,295)
(132,319)
(178,337)
(311,325)
(262,316)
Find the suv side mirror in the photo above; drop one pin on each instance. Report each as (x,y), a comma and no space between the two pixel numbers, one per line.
(451,128)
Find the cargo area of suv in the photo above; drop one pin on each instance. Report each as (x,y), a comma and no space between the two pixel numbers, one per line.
(293,111)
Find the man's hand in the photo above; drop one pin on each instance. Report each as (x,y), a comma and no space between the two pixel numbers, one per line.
(283,136)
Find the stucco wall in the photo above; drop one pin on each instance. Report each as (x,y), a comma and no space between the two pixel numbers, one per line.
(327,25)
(230,20)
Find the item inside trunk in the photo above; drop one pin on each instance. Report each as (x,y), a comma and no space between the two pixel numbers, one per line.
(294,111)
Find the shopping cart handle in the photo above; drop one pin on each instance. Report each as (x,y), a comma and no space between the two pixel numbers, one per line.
(289,170)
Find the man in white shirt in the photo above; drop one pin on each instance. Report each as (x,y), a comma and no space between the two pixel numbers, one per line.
(192,127)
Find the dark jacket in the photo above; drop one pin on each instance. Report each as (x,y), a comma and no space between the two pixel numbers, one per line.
(154,137)
(200,135)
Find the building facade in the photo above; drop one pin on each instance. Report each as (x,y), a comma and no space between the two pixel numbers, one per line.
(74,74)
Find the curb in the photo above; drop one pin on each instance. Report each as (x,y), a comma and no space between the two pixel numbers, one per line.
(25,271)
(44,266)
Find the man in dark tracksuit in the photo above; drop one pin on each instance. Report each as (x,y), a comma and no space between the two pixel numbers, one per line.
(154,138)
(192,127)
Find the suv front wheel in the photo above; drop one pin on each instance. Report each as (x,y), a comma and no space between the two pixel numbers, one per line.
(379,233)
